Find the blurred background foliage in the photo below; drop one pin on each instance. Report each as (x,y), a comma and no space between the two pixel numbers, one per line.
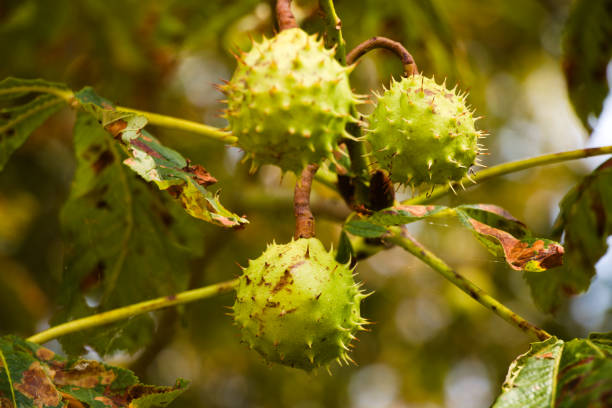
(431,346)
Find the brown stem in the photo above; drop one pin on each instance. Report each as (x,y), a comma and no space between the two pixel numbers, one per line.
(304,220)
(284,15)
(410,67)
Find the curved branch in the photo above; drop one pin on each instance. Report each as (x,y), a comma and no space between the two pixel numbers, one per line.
(410,67)
(284,15)
(415,248)
(304,220)
(170,122)
(510,167)
(125,312)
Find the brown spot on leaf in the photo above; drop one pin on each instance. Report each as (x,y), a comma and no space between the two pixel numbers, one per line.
(94,277)
(579,363)
(106,401)
(36,385)
(225,221)
(105,159)
(200,175)
(569,290)
(116,128)
(71,402)
(139,144)
(6,403)
(285,280)
(414,210)
(102,204)
(165,217)
(86,374)
(44,354)
(175,191)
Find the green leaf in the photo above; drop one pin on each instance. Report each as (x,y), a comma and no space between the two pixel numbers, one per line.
(375,225)
(345,250)
(404,214)
(587,51)
(124,243)
(365,229)
(159,164)
(18,122)
(559,374)
(495,228)
(37,377)
(585,221)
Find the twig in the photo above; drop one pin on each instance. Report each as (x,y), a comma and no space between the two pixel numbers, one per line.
(153,118)
(284,15)
(411,245)
(125,312)
(511,167)
(304,220)
(334,30)
(397,48)
(169,319)
(170,122)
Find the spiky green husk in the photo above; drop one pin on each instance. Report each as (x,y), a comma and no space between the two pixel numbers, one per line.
(297,306)
(289,101)
(421,132)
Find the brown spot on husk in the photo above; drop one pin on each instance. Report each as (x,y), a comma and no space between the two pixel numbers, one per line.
(285,280)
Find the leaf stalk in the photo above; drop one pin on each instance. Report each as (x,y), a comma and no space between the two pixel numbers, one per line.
(170,122)
(415,248)
(125,312)
(507,168)
(304,220)
(334,29)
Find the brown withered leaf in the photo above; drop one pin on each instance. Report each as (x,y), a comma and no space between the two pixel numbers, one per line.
(156,163)
(37,377)
(533,255)
(495,228)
